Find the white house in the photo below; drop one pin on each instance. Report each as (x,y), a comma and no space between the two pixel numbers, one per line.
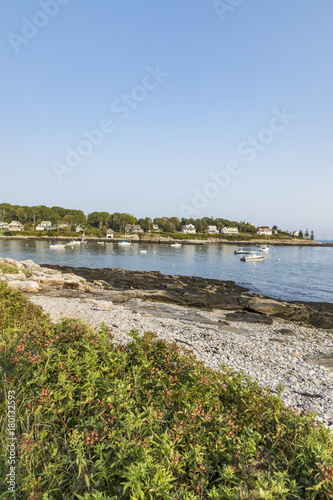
(212,230)
(156,229)
(62,225)
(45,225)
(188,229)
(264,230)
(296,234)
(4,225)
(109,233)
(229,230)
(15,225)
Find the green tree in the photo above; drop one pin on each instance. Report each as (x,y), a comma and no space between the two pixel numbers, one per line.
(70,221)
(118,221)
(145,224)
(99,219)
(300,233)
(312,236)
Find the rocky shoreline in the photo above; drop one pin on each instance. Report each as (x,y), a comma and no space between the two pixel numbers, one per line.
(221,322)
(186,291)
(204,293)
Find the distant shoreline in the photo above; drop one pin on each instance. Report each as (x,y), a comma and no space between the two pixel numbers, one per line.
(146,240)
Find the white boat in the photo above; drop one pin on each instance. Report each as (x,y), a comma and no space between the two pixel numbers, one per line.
(100,243)
(73,242)
(57,246)
(263,248)
(143,251)
(176,245)
(124,242)
(252,257)
(241,250)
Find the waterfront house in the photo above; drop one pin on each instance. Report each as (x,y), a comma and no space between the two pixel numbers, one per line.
(62,225)
(156,229)
(229,230)
(264,230)
(296,234)
(188,229)
(109,233)
(15,225)
(45,225)
(212,230)
(133,228)
(4,225)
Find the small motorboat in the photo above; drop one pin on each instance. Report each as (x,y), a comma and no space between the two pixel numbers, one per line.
(241,250)
(124,243)
(100,243)
(143,251)
(252,257)
(176,245)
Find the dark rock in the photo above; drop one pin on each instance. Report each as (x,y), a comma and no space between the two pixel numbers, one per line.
(192,291)
(286,331)
(325,360)
(322,320)
(174,286)
(249,317)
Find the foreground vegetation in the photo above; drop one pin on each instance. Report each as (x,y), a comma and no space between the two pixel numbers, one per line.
(95,420)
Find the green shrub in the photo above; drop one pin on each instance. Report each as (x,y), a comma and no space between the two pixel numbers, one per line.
(8,268)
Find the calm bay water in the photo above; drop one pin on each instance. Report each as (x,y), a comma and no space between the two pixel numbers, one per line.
(289,273)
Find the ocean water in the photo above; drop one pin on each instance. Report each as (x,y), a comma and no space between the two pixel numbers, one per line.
(288,273)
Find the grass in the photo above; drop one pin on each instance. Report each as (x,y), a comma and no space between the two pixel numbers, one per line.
(9,269)
(95,420)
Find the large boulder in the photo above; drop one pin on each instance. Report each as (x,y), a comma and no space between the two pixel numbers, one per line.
(24,286)
(13,262)
(272,307)
(100,304)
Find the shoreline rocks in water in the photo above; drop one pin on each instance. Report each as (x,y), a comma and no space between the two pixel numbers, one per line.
(188,291)
(191,291)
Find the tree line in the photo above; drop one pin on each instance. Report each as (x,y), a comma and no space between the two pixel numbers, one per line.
(30,217)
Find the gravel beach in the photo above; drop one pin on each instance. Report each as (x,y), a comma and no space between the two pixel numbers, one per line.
(280,352)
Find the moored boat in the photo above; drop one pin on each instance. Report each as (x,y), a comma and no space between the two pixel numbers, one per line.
(241,250)
(57,246)
(252,257)
(73,242)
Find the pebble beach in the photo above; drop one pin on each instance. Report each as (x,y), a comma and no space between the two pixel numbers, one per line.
(269,354)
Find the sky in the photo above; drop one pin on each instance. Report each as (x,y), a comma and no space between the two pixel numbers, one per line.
(205,108)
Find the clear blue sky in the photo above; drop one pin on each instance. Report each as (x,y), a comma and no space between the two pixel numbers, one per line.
(180,91)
